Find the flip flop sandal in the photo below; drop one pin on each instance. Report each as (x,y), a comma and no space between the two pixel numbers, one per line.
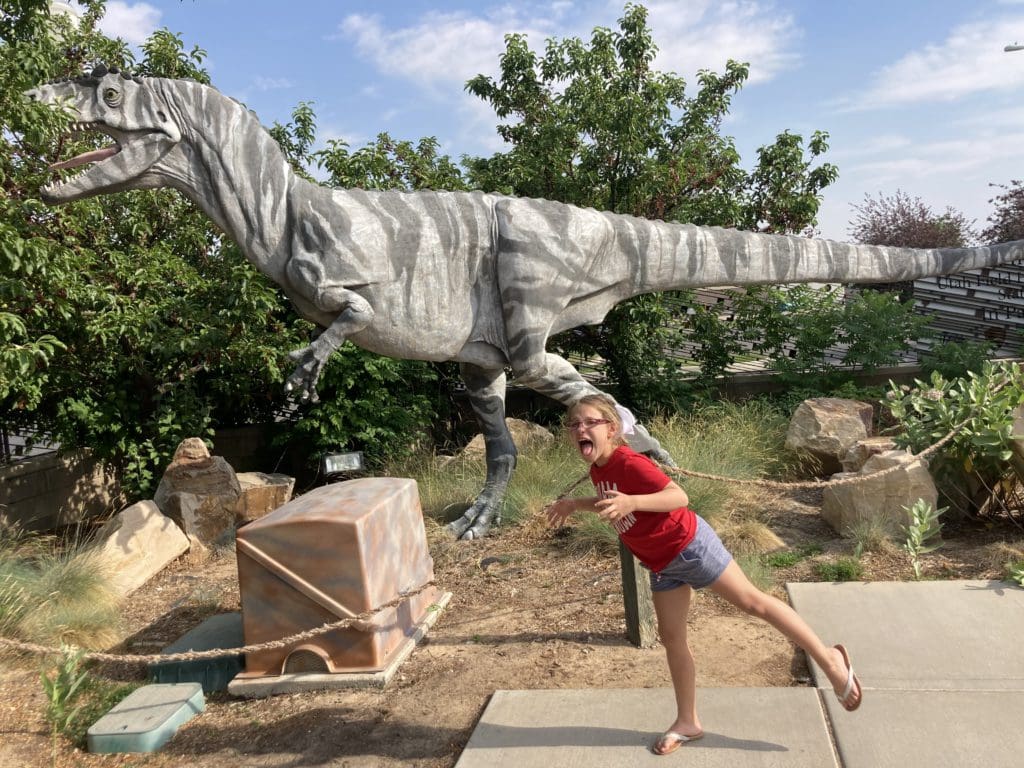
(677,740)
(852,683)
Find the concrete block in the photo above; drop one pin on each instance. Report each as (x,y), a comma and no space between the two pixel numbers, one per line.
(146,719)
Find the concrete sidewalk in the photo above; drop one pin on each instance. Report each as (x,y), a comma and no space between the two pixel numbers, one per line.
(941,664)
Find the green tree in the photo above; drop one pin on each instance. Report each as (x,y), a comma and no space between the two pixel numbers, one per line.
(902,220)
(594,125)
(1006,223)
(129,322)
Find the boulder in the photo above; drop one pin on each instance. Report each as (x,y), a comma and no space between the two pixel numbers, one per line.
(526,435)
(137,543)
(200,493)
(863,450)
(261,494)
(827,427)
(883,498)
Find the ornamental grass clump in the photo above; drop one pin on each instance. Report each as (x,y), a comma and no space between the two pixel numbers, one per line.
(59,595)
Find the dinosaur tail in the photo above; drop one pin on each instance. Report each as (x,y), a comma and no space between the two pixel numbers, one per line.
(683,255)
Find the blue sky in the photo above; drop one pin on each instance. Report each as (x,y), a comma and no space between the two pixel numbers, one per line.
(917,95)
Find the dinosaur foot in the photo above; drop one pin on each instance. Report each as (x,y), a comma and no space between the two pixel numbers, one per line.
(475,522)
(311,362)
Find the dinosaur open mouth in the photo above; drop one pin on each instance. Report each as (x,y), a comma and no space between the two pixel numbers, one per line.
(109,168)
(89,157)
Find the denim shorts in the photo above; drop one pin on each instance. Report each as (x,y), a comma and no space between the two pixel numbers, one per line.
(701,563)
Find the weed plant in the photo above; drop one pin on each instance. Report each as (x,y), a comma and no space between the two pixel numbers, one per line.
(1015,572)
(842,569)
(76,699)
(922,532)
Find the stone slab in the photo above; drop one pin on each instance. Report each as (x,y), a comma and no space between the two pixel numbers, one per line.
(602,728)
(906,729)
(146,719)
(934,635)
(221,631)
(273,685)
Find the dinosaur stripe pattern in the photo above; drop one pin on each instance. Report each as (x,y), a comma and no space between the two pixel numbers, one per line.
(476,278)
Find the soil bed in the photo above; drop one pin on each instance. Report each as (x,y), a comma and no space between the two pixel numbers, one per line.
(524,614)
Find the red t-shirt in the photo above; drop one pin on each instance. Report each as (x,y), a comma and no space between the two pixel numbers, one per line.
(654,537)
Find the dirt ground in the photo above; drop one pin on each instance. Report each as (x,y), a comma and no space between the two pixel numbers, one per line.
(524,614)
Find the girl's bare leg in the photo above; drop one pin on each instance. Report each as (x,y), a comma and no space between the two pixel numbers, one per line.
(735,587)
(672,608)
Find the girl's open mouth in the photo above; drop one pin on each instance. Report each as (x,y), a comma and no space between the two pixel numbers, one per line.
(586,448)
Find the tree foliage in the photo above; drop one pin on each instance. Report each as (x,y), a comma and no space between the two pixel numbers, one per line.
(130,321)
(906,221)
(593,124)
(1006,223)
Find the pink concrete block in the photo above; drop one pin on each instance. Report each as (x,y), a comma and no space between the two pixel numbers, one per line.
(335,552)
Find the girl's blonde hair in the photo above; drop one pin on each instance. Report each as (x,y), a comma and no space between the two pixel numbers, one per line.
(606,407)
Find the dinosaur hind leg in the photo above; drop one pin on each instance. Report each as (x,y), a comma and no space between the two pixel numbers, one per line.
(561,382)
(486,389)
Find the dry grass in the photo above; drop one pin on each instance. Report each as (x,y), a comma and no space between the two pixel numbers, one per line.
(57,596)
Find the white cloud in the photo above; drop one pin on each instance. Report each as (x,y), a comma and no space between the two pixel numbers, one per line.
(453,47)
(441,48)
(132,21)
(272,83)
(704,35)
(970,60)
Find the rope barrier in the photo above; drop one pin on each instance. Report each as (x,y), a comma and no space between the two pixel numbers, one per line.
(217,653)
(780,485)
(364,617)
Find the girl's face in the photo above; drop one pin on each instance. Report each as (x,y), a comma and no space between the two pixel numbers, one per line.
(592,434)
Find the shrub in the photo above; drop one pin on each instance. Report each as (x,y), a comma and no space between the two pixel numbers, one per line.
(842,569)
(955,359)
(974,470)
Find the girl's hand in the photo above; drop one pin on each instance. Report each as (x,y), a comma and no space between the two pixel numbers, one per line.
(559,512)
(615,505)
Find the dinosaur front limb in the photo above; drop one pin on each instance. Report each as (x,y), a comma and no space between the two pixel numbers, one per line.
(486,390)
(356,315)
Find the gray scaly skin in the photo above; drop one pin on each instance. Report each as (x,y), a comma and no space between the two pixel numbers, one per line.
(476,278)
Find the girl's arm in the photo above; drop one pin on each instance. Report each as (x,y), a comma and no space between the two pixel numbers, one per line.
(562,509)
(616,505)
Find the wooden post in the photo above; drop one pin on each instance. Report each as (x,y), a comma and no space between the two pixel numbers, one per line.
(636,595)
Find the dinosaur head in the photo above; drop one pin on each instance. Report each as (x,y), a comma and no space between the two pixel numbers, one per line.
(131,113)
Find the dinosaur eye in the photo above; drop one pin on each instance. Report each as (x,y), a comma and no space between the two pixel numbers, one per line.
(112,96)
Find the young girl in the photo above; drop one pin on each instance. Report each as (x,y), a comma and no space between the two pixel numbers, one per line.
(683,553)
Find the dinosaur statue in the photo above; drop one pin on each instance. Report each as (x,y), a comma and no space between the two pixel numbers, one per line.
(476,278)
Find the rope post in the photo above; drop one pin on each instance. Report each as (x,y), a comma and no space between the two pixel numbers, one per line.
(639,604)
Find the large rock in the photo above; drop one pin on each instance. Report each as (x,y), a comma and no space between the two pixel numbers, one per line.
(827,427)
(200,493)
(137,543)
(883,498)
(261,494)
(526,435)
(863,450)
